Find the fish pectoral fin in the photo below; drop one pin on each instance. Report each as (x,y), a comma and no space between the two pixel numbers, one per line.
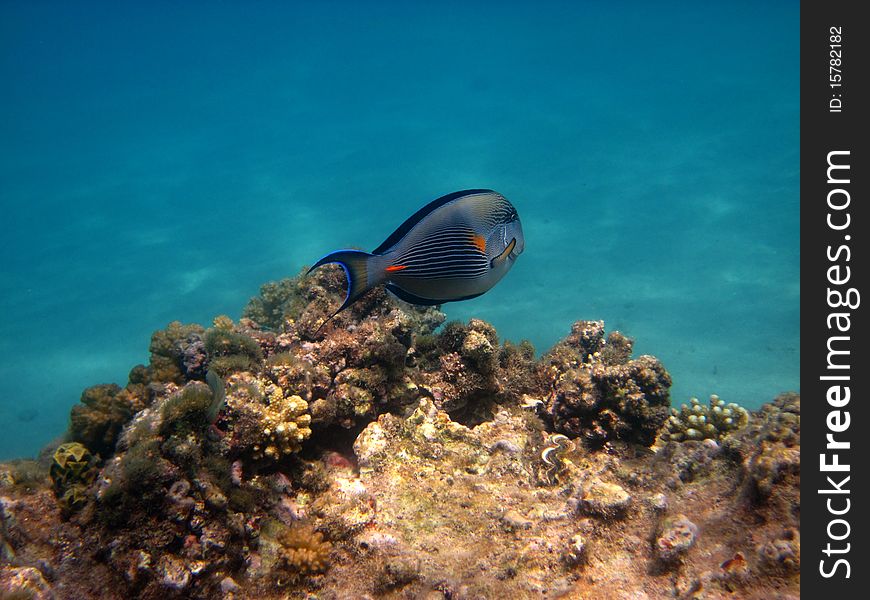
(394,268)
(504,254)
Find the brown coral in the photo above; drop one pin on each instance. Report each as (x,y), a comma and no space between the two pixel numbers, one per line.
(305,551)
(168,348)
(598,393)
(98,419)
(774,454)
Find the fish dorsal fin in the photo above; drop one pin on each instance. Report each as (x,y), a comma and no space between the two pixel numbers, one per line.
(421,214)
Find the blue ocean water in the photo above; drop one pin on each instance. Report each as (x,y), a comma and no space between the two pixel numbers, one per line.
(160,161)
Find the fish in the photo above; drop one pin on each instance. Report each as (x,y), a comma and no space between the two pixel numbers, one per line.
(219,396)
(455,248)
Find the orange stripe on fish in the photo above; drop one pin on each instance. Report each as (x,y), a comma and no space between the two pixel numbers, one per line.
(480,242)
(394,268)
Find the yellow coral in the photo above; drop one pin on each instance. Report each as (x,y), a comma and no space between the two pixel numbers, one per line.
(264,420)
(305,550)
(286,423)
(72,471)
(223,322)
(71,463)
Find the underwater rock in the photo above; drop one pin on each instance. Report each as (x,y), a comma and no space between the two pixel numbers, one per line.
(168,348)
(24,582)
(600,394)
(466,374)
(575,552)
(97,421)
(229,586)
(676,536)
(173,573)
(298,306)
(513,520)
(602,499)
(782,553)
(396,573)
(194,357)
(658,502)
(776,452)
(688,461)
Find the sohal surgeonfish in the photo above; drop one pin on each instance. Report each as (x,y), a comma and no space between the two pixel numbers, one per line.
(455,248)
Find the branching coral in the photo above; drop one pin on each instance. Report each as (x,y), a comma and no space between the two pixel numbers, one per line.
(305,552)
(261,421)
(697,422)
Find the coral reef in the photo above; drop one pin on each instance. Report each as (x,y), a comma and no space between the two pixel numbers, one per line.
(697,422)
(598,393)
(279,457)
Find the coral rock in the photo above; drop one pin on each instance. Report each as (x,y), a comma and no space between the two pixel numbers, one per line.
(782,553)
(98,420)
(603,499)
(24,582)
(603,395)
(776,451)
(677,535)
(173,573)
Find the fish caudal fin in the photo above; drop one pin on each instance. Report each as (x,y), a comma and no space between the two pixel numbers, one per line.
(356,267)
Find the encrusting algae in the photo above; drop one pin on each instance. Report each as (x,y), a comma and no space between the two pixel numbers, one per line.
(284,455)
